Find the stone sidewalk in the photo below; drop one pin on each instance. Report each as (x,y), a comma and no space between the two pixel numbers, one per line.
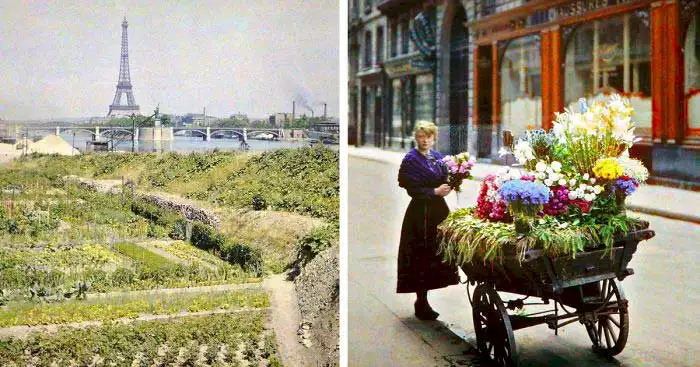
(656,200)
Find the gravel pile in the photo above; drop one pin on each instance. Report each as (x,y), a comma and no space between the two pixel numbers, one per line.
(189,211)
(317,290)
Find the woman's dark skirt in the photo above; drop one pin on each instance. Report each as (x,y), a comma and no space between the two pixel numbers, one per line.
(420,267)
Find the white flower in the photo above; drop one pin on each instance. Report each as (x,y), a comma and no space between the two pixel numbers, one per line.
(586,176)
(548,182)
(573,195)
(541,166)
(541,175)
(583,187)
(572,182)
(593,180)
(563,225)
(633,168)
(589,197)
(554,176)
(562,181)
(523,152)
(597,189)
(556,166)
(559,130)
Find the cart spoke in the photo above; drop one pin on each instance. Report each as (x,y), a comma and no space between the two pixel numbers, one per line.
(610,329)
(615,322)
(607,335)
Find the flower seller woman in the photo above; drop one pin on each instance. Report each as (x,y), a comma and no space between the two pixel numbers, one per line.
(424,177)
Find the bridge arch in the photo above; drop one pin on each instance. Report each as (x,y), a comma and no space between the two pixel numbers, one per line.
(238,133)
(198,131)
(274,133)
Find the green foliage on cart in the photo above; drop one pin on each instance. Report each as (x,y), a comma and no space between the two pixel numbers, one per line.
(464,237)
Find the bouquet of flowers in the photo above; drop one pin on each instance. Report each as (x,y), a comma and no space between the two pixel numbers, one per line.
(567,190)
(525,199)
(458,167)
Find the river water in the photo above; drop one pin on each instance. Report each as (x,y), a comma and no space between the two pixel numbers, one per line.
(186,144)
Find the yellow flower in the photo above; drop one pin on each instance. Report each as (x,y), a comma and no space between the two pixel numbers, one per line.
(607,169)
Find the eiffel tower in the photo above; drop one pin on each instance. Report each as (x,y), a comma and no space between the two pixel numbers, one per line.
(124,83)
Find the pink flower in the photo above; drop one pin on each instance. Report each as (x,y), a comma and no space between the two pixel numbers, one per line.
(453,169)
(462,169)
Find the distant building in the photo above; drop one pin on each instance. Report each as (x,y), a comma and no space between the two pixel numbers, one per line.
(279,119)
(198,119)
(239,116)
(331,127)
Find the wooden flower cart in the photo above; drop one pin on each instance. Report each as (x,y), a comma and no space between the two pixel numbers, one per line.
(586,289)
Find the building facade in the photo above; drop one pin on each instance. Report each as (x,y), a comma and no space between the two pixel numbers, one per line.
(481,67)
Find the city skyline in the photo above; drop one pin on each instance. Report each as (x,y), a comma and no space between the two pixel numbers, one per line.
(62,61)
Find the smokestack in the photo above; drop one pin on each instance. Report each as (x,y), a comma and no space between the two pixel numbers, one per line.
(324,110)
(293,107)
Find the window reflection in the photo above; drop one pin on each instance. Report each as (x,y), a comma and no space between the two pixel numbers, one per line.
(521,94)
(611,56)
(396,116)
(424,97)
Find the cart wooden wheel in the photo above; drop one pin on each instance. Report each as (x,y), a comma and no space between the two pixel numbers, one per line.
(494,334)
(610,327)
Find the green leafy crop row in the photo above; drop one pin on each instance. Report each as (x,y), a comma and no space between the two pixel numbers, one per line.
(187,341)
(106,309)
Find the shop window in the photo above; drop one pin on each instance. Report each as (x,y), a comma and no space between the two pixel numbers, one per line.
(369,108)
(611,56)
(404,36)
(408,85)
(394,39)
(424,97)
(521,92)
(368,49)
(691,58)
(380,45)
(396,113)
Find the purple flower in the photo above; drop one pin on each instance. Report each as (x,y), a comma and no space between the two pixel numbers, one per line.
(626,184)
(524,192)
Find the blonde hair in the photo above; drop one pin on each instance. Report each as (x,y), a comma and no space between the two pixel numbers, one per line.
(426,127)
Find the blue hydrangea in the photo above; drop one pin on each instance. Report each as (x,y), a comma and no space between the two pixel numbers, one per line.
(524,192)
(628,185)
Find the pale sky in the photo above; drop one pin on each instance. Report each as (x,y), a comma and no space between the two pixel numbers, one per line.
(61,59)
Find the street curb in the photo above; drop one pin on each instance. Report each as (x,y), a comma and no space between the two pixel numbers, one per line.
(666,214)
(639,209)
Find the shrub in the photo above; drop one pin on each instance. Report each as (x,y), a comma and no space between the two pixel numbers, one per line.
(206,237)
(258,202)
(248,257)
(319,239)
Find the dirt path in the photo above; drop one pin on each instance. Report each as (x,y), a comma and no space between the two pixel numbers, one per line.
(285,317)
(22,331)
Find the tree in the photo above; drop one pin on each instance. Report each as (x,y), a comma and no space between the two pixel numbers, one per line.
(165,120)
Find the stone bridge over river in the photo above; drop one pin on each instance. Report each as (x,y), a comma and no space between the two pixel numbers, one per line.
(164,132)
